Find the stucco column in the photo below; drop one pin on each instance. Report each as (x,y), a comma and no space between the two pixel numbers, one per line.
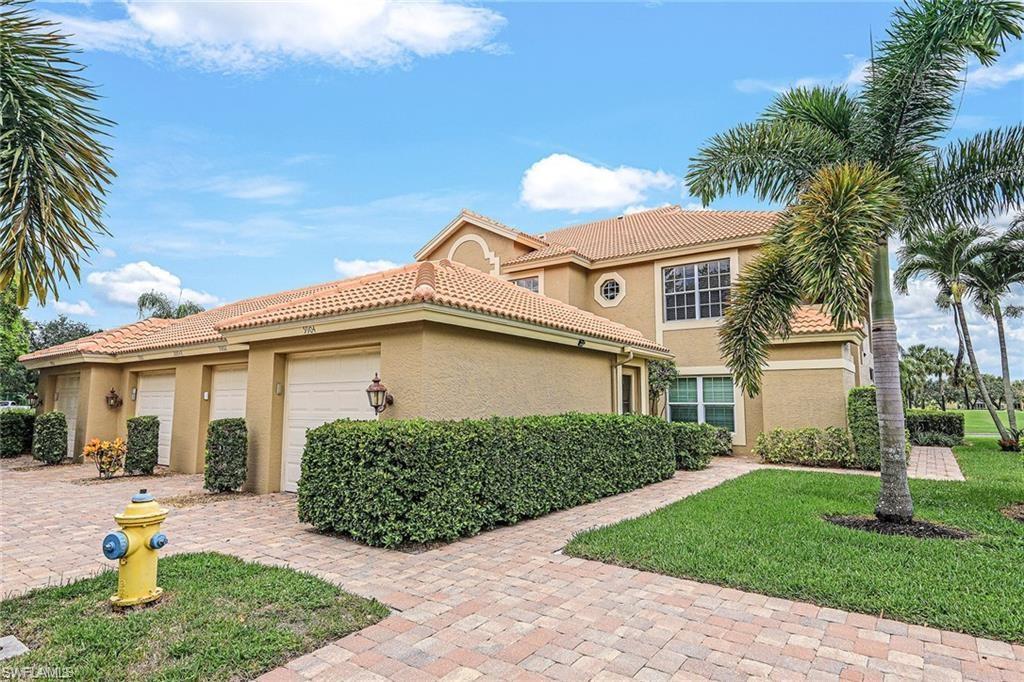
(95,419)
(264,407)
(188,399)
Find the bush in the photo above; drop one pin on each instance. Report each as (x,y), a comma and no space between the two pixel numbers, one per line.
(920,422)
(143,445)
(16,432)
(936,438)
(393,482)
(108,455)
(829,447)
(696,444)
(862,420)
(227,447)
(50,438)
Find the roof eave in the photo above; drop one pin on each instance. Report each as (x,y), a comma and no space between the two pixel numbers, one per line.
(463,218)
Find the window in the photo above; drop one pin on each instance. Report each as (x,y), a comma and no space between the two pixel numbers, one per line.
(531,283)
(703,399)
(610,289)
(627,393)
(697,291)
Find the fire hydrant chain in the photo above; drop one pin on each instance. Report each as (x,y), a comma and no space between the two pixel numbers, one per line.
(135,548)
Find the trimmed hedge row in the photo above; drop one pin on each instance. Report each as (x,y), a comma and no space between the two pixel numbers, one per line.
(143,444)
(829,447)
(16,432)
(50,438)
(696,444)
(392,482)
(862,419)
(226,450)
(935,427)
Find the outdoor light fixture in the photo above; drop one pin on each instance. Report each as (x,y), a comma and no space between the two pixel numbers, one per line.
(33,399)
(135,393)
(114,400)
(378,395)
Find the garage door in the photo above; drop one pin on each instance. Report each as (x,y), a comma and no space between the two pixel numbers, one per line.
(156,398)
(227,392)
(319,389)
(66,401)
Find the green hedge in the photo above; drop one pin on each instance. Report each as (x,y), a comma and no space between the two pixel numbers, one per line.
(226,451)
(829,447)
(16,432)
(862,419)
(393,482)
(696,444)
(50,438)
(143,444)
(921,422)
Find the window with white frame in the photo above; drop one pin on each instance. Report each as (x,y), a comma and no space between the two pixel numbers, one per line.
(696,291)
(708,400)
(531,283)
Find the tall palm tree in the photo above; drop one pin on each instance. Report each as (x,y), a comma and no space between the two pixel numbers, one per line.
(940,363)
(946,255)
(853,171)
(914,371)
(157,304)
(53,167)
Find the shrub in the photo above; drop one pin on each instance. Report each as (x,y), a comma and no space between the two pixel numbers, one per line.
(50,438)
(226,451)
(107,454)
(16,432)
(920,422)
(696,444)
(392,482)
(862,420)
(143,445)
(936,438)
(829,447)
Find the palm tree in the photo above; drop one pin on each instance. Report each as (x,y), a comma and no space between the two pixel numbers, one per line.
(853,171)
(940,363)
(157,304)
(54,168)
(914,371)
(946,255)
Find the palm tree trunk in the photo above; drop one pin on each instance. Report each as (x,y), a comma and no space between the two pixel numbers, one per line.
(982,390)
(1011,416)
(894,502)
(942,395)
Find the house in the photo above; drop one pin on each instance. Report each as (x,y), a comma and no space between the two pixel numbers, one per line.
(488,320)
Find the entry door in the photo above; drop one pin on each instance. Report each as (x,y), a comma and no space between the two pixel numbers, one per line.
(156,398)
(319,389)
(227,392)
(67,402)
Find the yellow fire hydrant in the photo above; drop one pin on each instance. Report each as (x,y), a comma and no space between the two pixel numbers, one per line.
(135,546)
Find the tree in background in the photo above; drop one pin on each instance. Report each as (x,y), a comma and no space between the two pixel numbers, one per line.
(854,171)
(53,166)
(156,304)
(914,373)
(55,332)
(940,364)
(14,341)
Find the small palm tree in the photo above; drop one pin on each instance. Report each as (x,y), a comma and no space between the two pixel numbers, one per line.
(854,171)
(157,304)
(53,167)
(940,363)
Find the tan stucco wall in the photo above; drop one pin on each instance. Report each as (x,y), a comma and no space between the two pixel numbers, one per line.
(470,253)
(566,282)
(637,308)
(805,397)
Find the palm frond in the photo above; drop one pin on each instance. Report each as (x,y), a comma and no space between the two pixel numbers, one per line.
(943,254)
(154,304)
(831,109)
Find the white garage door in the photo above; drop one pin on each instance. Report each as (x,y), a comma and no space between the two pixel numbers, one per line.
(322,388)
(227,392)
(156,398)
(67,402)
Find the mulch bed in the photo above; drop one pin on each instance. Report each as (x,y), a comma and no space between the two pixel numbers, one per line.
(196,499)
(1015,512)
(159,472)
(914,529)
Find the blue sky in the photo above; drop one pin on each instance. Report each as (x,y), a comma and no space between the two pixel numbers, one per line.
(263,147)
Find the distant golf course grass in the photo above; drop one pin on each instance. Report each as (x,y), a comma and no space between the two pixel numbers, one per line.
(980,421)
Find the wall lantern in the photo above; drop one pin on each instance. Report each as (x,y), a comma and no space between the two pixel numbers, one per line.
(32,399)
(378,395)
(114,400)
(135,392)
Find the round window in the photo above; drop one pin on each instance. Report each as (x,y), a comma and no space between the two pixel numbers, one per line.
(610,290)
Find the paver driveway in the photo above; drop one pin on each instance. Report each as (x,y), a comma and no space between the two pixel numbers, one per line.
(504,604)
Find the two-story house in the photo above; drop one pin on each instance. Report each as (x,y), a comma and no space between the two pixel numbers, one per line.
(489,320)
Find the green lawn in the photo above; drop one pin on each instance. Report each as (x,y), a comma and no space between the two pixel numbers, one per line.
(764,532)
(980,421)
(220,619)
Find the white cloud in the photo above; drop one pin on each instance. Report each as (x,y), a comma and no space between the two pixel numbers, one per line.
(853,79)
(255,36)
(108,252)
(357,267)
(126,283)
(995,76)
(259,188)
(82,308)
(563,182)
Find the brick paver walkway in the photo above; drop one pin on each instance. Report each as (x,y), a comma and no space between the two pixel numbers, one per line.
(937,464)
(505,604)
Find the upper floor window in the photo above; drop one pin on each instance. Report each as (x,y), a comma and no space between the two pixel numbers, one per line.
(531,283)
(610,289)
(696,291)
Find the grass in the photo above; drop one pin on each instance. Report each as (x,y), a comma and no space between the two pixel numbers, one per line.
(980,421)
(764,532)
(221,618)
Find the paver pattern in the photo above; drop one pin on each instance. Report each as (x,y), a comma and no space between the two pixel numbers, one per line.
(505,604)
(935,463)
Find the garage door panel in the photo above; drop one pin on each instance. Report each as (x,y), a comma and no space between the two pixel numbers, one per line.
(155,398)
(67,402)
(228,392)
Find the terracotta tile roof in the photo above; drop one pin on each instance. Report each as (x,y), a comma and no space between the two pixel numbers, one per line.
(446,284)
(487,219)
(104,342)
(811,319)
(659,229)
